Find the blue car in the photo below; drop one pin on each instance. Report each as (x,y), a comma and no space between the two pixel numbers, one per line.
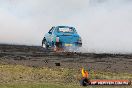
(62,37)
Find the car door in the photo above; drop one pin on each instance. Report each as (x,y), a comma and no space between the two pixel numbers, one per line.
(49,36)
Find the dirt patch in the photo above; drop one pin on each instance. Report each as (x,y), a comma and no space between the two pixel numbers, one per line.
(36,56)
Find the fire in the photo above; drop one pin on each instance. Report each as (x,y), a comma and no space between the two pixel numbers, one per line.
(84,73)
(85,81)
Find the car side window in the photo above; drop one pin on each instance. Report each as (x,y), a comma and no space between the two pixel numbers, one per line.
(51,30)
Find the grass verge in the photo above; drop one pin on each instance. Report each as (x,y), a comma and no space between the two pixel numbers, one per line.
(17,76)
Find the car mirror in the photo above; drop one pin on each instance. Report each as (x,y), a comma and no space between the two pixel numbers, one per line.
(50,32)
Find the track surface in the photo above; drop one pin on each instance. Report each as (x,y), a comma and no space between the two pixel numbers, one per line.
(36,56)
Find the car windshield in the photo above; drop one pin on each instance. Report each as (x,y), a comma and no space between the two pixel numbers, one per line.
(66,30)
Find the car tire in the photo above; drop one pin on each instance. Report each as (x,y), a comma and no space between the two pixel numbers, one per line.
(44,44)
(57,46)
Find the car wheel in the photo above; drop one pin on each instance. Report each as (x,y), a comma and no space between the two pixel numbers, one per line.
(57,46)
(44,44)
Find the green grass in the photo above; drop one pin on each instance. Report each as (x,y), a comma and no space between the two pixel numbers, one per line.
(24,74)
(31,86)
(55,86)
(17,76)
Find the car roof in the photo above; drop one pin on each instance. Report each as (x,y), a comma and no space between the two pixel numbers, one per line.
(64,26)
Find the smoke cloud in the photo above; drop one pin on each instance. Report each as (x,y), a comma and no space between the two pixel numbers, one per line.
(104,25)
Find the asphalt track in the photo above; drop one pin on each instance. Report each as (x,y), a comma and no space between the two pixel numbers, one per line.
(36,56)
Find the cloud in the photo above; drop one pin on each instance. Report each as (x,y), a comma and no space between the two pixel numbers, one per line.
(105,25)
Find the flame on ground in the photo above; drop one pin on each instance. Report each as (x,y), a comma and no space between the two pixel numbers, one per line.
(85,74)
